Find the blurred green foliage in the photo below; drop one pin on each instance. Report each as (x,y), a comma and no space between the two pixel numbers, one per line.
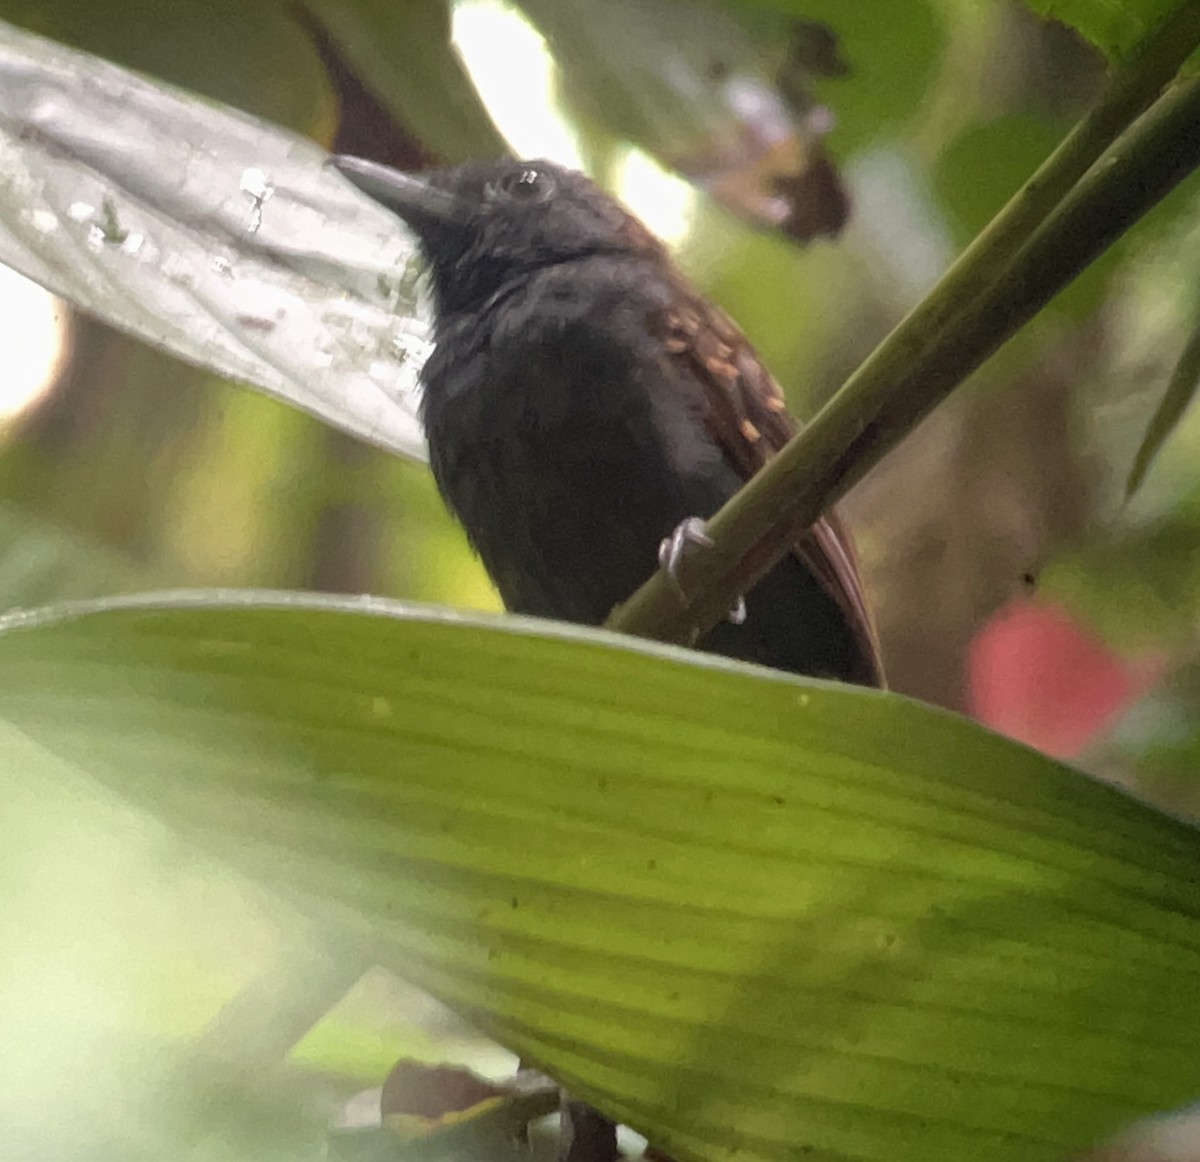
(252,56)
(1114,27)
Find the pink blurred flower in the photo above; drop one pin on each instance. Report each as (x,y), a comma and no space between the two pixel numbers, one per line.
(1039,676)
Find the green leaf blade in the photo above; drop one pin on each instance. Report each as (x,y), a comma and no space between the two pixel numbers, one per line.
(1113,27)
(745,913)
(1182,387)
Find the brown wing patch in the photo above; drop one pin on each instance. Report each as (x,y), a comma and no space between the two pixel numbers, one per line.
(748,418)
(746,407)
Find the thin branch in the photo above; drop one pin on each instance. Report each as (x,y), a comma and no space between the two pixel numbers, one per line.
(258,1027)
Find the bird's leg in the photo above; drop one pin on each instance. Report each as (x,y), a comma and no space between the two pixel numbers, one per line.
(586,1135)
(690,534)
(673,549)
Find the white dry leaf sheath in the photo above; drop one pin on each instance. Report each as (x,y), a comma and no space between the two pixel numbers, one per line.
(213,235)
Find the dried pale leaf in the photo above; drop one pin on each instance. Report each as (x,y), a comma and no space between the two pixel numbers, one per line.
(209,233)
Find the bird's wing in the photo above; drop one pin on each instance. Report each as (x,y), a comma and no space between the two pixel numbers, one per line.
(747,416)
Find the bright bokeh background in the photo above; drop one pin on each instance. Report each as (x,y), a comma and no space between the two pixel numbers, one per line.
(33,331)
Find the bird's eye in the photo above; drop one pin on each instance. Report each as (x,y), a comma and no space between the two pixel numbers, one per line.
(524,185)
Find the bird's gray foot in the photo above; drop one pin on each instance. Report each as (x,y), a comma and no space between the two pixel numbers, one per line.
(689,535)
(672,550)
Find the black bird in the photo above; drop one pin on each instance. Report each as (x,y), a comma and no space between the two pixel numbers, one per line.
(582,401)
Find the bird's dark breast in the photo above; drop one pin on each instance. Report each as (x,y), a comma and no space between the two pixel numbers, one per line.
(568,446)
(546,440)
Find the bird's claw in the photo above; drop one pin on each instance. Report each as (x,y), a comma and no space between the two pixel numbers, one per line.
(672,550)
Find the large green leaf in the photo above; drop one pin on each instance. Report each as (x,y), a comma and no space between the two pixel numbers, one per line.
(748,914)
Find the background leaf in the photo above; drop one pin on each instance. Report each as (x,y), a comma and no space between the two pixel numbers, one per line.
(1185,380)
(38,561)
(1112,25)
(890,74)
(251,56)
(403,52)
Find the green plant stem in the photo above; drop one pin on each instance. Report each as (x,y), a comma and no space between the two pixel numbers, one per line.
(258,1027)
(913,369)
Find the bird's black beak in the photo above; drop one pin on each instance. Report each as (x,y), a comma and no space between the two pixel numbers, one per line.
(424,207)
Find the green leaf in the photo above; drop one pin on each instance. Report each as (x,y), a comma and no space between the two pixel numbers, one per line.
(750,915)
(1185,380)
(1115,26)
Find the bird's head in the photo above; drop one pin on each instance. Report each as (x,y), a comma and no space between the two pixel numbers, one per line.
(486,222)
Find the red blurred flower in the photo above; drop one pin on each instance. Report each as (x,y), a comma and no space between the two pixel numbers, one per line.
(1039,676)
